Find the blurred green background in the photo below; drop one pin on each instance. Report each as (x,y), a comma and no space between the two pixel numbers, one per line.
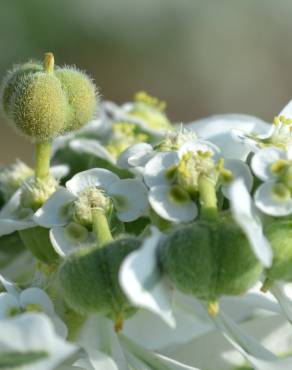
(202,57)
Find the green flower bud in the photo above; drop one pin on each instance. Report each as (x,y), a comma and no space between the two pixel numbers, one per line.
(11,178)
(89,279)
(279,234)
(81,94)
(208,260)
(36,192)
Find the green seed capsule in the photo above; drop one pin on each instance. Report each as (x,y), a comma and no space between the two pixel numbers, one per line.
(208,260)
(279,234)
(81,95)
(89,279)
(12,80)
(40,108)
(42,103)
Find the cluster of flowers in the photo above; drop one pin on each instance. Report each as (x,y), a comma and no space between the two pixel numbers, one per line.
(136,243)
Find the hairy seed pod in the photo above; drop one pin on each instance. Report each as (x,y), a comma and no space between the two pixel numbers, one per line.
(89,279)
(11,81)
(208,260)
(40,107)
(81,95)
(279,234)
(42,103)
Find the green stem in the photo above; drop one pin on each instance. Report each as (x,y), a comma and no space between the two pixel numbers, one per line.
(43,156)
(208,198)
(101,227)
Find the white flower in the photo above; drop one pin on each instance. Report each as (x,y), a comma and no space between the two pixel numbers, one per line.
(142,280)
(29,342)
(118,351)
(278,134)
(68,211)
(274,167)
(14,302)
(218,130)
(13,216)
(173,178)
(248,218)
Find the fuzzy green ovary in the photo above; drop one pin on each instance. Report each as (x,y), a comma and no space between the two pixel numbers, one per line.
(279,234)
(13,79)
(81,95)
(36,192)
(89,279)
(40,109)
(87,200)
(208,260)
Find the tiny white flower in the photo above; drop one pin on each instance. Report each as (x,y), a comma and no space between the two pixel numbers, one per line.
(278,134)
(68,211)
(172,177)
(29,342)
(274,167)
(14,302)
(218,130)
(248,218)
(13,216)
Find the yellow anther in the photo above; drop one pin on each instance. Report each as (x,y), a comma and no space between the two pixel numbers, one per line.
(226,175)
(282,118)
(143,97)
(213,308)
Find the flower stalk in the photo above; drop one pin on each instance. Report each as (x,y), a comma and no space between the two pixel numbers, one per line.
(208,198)
(101,227)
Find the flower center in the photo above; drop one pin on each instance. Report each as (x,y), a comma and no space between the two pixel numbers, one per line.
(192,166)
(90,198)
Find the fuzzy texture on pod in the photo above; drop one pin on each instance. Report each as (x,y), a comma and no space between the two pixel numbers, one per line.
(81,94)
(89,279)
(44,104)
(279,234)
(207,260)
(12,79)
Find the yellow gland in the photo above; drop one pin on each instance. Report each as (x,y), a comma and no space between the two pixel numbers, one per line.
(42,103)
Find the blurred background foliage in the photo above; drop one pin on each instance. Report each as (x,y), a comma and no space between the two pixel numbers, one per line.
(201,56)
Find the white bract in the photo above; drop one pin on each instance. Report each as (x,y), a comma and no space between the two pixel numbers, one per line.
(248,218)
(143,282)
(68,212)
(118,351)
(29,342)
(218,130)
(14,302)
(274,167)
(279,134)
